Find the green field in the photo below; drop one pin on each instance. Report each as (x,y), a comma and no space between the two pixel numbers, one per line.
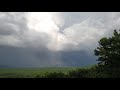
(31,72)
(61,72)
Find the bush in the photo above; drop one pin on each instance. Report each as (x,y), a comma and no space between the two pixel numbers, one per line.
(55,75)
(93,72)
(79,73)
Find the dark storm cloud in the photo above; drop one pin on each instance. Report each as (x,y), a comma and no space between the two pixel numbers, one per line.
(26,57)
(30,57)
(77,58)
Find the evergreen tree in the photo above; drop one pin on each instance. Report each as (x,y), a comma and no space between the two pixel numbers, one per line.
(108,51)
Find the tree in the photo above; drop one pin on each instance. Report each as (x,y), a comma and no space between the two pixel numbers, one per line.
(108,51)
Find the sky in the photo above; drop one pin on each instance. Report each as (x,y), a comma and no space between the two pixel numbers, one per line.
(41,39)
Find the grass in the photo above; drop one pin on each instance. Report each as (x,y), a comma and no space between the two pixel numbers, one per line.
(31,72)
(60,72)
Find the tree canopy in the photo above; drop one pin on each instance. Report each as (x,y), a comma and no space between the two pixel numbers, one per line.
(108,51)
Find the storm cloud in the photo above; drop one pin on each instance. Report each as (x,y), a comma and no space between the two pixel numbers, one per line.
(36,39)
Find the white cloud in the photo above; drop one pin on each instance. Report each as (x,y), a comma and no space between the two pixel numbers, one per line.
(84,35)
(81,36)
(56,30)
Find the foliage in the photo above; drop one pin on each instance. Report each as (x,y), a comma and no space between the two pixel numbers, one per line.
(79,73)
(92,72)
(55,75)
(108,51)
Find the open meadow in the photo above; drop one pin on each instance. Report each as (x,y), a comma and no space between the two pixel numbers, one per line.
(31,72)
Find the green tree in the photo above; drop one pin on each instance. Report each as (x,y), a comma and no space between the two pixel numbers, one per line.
(108,51)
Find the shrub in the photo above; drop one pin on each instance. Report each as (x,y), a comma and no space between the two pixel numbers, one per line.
(79,73)
(55,75)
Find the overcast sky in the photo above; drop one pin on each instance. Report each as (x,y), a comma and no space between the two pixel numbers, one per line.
(33,39)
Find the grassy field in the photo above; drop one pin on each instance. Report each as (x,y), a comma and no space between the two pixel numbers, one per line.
(61,72)
(31,72)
